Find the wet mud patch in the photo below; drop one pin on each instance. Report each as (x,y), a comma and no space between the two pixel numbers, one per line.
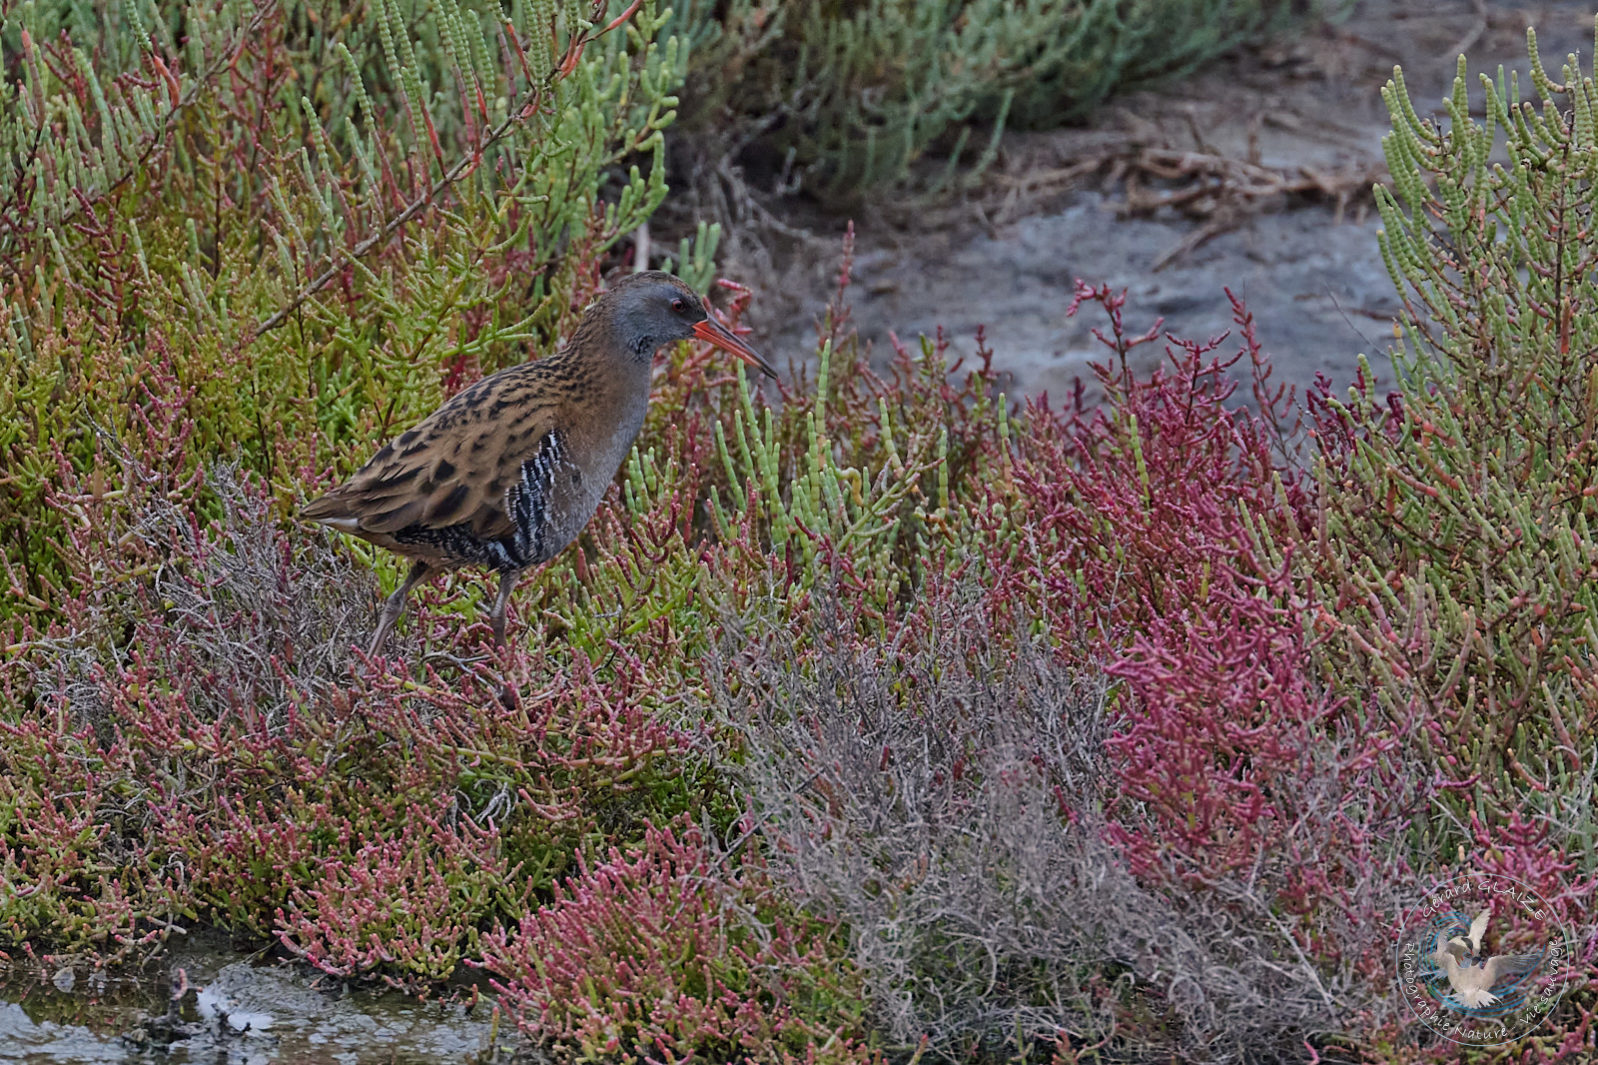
(231,1010)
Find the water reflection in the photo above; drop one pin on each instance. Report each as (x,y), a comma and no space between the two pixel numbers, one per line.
(231,1011)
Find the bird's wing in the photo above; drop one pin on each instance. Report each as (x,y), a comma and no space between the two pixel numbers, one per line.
(1505,968)
(1478,929)
(456,467)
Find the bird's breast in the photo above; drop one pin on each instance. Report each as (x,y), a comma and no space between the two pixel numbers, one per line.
(583,463)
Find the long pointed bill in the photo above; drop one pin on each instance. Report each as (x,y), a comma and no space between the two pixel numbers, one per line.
(720,336)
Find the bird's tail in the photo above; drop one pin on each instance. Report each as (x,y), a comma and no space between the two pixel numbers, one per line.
(331,509)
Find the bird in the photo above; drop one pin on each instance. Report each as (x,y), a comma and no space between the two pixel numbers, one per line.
(1474,979)
(1472,940)
(508,471)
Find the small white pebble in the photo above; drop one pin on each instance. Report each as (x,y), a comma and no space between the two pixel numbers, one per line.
(242,1021)
(209,1003)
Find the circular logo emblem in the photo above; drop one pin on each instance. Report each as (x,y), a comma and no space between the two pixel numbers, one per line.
(1482,959)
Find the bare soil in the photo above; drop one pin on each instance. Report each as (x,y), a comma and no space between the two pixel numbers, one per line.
(234,1009)
(1255,175)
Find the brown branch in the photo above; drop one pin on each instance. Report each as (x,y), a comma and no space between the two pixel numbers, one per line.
(179,105)
(462,167)
(452,175)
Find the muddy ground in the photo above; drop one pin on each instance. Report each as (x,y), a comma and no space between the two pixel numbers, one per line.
(231,1009)
(1280,146)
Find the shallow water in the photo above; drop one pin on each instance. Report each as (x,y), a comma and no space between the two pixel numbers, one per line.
(236,1011)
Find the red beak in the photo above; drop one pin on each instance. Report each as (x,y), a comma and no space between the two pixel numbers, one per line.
(720,336)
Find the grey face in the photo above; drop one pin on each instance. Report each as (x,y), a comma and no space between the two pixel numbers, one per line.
(656,308)
(656,311)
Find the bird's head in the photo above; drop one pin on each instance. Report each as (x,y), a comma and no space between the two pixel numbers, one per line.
(1443,950)
(654,308)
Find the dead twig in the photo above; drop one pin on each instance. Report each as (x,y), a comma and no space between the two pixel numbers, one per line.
(1472,35)
(1203,184)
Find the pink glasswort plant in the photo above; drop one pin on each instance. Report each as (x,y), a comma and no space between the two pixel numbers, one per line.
(667,955)
(193,738)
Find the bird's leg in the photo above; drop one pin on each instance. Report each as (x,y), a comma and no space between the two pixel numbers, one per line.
(496,621)
(496,615)
(395,606)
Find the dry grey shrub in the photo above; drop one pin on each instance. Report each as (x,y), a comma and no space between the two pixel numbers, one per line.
(254,613)
(917,788)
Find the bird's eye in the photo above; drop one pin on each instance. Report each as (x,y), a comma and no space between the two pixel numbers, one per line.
(679,306)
